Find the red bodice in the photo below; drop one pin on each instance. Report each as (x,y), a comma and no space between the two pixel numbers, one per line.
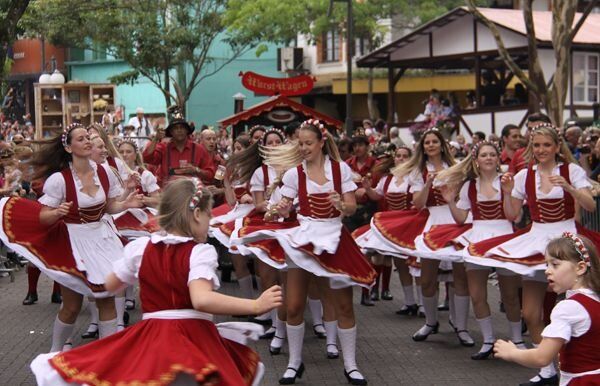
(318,205)
(163,277)
(396,200)
(240,191)
(549,210)
(434,198)
(79,215)
(485,210)
(581,353)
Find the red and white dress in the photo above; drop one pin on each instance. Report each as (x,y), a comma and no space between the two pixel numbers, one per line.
(138,222)
(78,250)
(172,337)
(216,229)
(552,214)
(576,320)
(395,231)
(396,197)
(320,244)
(448,241)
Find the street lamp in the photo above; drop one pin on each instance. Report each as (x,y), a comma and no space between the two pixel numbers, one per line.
(349,43)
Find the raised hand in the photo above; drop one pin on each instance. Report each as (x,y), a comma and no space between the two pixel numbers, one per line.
(507,182)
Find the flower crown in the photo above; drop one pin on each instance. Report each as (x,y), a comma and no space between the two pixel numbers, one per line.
(67,130)
(130,142)
(360,132)
(544,125)
(256,127)
(583,252)
(197,196)
(273,130)
(316,123)
(475,149)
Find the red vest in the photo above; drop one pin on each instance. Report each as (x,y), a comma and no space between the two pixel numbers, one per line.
(581,353)
(485,210)
(549,210)
(164,276)
(111,162)
(318,205)
(79,215)
(395,200)
(434,198)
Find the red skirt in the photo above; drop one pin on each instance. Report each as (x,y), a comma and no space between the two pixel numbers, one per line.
(271,248)
(401,227)
(220,210)
(586,380)
(442,236)
(154,351)
(361,231)
(128,222)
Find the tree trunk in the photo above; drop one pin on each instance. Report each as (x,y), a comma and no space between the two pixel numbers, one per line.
(370,102)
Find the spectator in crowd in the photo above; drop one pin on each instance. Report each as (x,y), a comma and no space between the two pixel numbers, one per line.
(224,142)
(291,131)
(572,136)
(345,148)
(471,100)
(142,127)
(511,142)
(395,137)
(208,139)
(478,136)
(490,91)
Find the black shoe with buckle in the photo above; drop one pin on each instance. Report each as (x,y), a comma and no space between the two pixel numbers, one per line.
(30,299)
(354,381)
(275,350)
(386,295)
(292,380)
(418,336)
(411,309)
(550,381)
(319,334)
(375,295)
(465,342)
(481,355)
(332,355)
(90,334)
(269,334)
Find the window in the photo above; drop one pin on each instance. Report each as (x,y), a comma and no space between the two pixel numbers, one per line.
(331,46)
(362,47)
(585,77)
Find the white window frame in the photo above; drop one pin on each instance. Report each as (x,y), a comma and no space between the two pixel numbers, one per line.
(588,74)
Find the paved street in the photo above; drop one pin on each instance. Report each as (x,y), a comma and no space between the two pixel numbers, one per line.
(386,353)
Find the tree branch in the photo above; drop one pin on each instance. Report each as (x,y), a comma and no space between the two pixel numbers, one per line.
(590,7)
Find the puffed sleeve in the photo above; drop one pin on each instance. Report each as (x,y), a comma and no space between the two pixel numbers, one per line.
(463,197)
(122,169)
(348,184)
(127,268)
(203,264)
(54,191)
(568,319)
(415,180)
(115,187)
(257,181)
(518,191)
(578,177)
(290,183)
(380,185)
(149,184)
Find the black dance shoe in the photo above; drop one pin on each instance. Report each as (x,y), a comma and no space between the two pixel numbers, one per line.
(275,350)
(91,334)
(332,355)
(386,295)
(129,304)
(411,310)
(269,334)
(481,355)
(419,337)
(319,334)
(30,299)
(551,381)
(365,300)
(465,342)
(292,380)
(56,298)
(375,295)
(354,381)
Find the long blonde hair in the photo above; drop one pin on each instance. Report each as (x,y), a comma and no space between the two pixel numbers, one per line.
(287,156)
(139,160)
(549,130)
(418,161)
(466,169)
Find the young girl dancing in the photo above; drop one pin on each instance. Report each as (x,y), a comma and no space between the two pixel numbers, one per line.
(574,331)
(177,341)
(478,179)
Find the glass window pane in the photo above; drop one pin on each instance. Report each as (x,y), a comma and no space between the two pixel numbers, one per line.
(592,78)
(579,94)
(578,63)
(592,94)
(592,62)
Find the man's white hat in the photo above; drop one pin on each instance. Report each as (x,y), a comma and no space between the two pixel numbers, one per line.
(139,110)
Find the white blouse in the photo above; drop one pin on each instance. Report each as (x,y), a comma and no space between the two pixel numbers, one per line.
(415,178)
(392,187)
(257,181)
(55,188)
(463,197)
(203,259)
(290,181)
(569,318)
(576,175)
(149,182)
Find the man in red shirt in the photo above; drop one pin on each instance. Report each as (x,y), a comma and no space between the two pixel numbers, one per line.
(511,142)
(518,161)
(180,157)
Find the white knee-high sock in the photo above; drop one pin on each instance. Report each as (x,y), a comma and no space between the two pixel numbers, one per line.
(348,342)
(514,331)
(295,335)
(419,295)
(409,296)
(246,289)
(461,314)
(120,308)
(316,310)
(280,332)
(430,305)
(60,333)
(93,317)
(331,330)
(129,293)
(107,327)
(451,304)
(487,332)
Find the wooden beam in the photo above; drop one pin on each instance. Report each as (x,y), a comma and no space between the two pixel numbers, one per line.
(390,97)
(430,45)
(478,81)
